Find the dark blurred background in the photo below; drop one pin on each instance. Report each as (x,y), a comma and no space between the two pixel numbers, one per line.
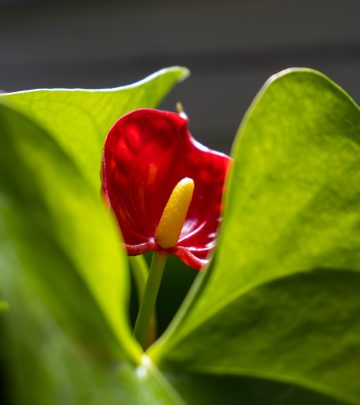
(231,47)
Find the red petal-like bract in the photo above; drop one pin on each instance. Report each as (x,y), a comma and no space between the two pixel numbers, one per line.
(146,153)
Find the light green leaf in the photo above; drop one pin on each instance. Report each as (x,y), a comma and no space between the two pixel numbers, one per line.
(80,119)
(62,268)
(56,228)
(281,298)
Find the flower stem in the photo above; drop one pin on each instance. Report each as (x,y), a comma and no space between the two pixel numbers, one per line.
(147,304)
(140,272)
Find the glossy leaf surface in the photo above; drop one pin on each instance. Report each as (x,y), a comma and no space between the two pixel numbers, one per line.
(281,299)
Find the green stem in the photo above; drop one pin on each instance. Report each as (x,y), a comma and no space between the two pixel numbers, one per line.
(140,271)
(147,304)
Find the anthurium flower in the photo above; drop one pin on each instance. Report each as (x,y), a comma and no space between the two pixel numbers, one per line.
(164,187)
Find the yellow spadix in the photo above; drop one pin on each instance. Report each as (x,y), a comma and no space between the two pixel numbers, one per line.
(173,217)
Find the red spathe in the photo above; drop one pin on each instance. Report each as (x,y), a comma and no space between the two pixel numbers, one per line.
(146,153)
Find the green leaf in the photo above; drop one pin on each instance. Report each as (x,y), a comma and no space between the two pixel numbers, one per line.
(62,269)
(80,119)
(281,298)
(3,306)
(55,228)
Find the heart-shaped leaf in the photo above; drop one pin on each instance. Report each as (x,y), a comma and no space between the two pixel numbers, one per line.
(281,299)
(62,268)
